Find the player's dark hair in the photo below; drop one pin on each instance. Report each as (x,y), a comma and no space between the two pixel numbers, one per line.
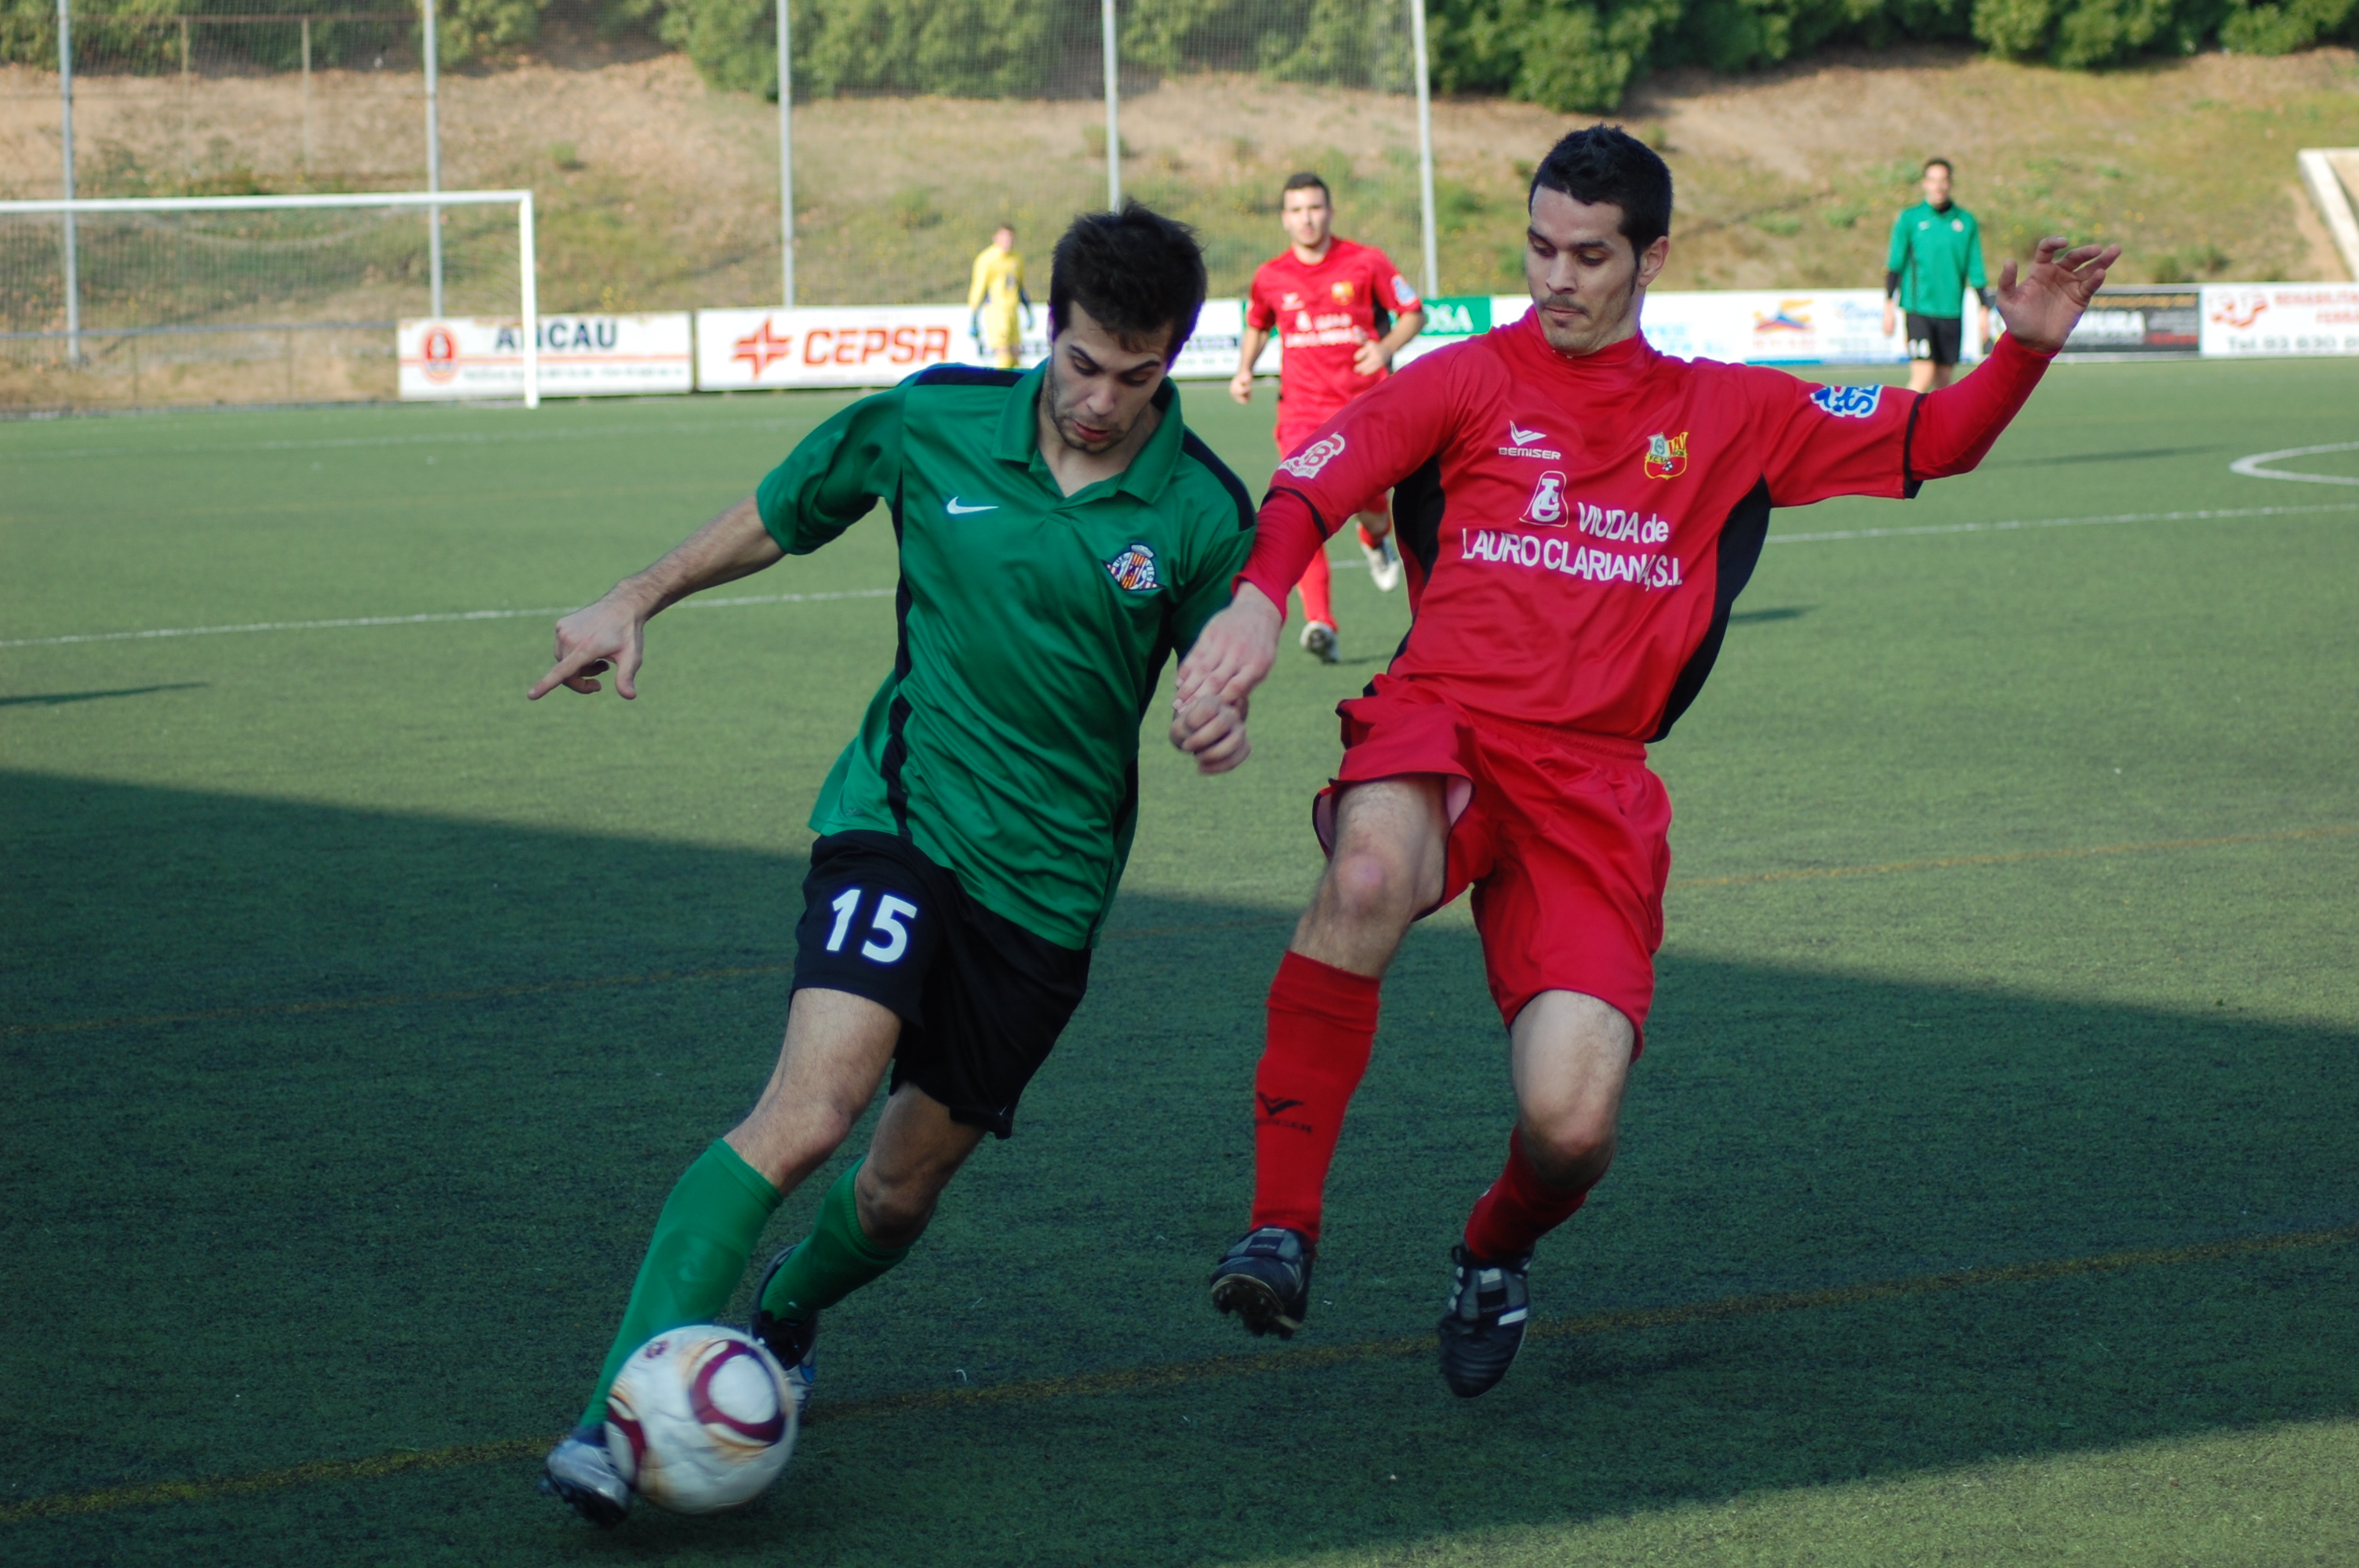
(1306,180)
(1605,163)
(1136,272)
(1940,163)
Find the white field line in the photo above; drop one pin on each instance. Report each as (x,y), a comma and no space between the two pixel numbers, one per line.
(2205,515)
(1832,536)
(2251,467)
(419,619)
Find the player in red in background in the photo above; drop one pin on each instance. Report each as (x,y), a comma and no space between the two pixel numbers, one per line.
(1322,296)
(1578,512)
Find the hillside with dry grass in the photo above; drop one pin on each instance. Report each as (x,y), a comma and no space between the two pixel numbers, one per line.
(658,191)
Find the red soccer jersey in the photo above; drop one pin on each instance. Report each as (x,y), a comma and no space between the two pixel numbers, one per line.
(1577,529)
(1322,313)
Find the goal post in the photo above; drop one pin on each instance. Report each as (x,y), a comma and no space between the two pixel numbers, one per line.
(125,301)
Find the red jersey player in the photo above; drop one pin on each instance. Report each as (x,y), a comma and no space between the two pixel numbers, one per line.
(1577,512)
(1321,296)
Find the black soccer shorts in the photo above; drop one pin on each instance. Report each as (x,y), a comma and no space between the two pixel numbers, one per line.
(981,999)
(1936,338)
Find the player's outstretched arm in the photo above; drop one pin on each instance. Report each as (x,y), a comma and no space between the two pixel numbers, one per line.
(1231,656)
(612,634)
(2040,308)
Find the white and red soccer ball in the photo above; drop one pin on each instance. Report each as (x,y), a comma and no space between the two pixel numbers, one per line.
(700,1419)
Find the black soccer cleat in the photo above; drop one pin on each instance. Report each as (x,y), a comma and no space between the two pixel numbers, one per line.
(578,1473)
(794,1341)
(1483,1325)
(1266,1281)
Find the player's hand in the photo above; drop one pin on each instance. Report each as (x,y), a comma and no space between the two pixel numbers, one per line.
(1241,386)
(1368,359)
(1891,320)
(1211,731)
(1234,652)
(609,635)
(2042,308)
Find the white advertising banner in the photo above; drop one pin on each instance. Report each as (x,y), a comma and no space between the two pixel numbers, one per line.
(2242,321)
(1832,326)
(872,345)
(877,345)
(580,356)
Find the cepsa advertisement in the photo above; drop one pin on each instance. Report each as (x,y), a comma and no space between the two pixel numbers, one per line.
(2244,319)
(580,356)
(874,345)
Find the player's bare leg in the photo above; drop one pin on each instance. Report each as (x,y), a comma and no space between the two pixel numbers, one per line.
(1927,375)
(1391,853)
(1382,554)
(875,1212)
(1570,1056)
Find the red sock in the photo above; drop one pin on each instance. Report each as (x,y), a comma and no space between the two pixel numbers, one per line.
(1318,597)
(1519,1208)
(1323,1022)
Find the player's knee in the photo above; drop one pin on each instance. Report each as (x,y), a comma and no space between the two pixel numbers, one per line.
(1366,889)
(1570,1148)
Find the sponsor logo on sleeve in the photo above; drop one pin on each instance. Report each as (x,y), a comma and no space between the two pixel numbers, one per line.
(1546,508)
(1847,402)
(1667,456)
(1526,444)
(1305,463)
(1404,293)
(1134,568)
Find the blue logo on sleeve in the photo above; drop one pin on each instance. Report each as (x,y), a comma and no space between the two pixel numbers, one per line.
(1847,402)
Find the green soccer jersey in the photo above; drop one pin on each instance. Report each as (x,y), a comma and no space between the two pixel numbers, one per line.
(1034,626)
(1937,252)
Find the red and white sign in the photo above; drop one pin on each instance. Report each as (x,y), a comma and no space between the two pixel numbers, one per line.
(580,356)
(874,345)
(2243,320)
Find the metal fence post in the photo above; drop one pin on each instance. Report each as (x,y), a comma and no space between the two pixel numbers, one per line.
(785,156)
(433,172)
(1425,148)
(65,89)
(1114,109)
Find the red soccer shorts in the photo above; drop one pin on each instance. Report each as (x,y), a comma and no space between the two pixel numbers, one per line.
(1564,838)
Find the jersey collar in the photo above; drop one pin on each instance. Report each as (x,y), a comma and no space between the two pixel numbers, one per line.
(1150,470)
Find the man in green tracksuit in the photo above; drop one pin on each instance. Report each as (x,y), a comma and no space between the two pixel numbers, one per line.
(1061,534)
(1936,256)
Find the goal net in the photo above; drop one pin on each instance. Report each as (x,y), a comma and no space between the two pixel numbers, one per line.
(128,302)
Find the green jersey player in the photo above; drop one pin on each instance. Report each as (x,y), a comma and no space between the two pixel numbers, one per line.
(1061,534)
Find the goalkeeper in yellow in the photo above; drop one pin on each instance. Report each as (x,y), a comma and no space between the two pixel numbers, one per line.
(996,296)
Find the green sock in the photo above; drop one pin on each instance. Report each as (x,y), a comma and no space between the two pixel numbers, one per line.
(706,1231)
(836,1259)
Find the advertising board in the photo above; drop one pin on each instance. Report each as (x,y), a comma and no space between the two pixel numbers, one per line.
(2162,320)
(580,356)
(2243,321)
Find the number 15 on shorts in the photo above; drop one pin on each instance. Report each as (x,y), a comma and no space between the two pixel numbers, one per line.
(887,939)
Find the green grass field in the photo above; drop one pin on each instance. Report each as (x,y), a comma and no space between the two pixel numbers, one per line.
(1990,1192)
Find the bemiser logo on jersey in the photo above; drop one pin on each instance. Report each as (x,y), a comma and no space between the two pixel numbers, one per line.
(1305,463)
(1524,444)
(1667,456)
(1546,508)
(1134,568)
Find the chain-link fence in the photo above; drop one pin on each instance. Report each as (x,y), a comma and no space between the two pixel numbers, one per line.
(648,129)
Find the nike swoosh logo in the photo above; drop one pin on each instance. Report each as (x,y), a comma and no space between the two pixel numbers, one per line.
(958,511)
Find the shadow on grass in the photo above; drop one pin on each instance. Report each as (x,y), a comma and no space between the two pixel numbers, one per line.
(60,699)
(408,1225)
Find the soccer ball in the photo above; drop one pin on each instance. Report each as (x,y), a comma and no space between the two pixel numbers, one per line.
(700,1419)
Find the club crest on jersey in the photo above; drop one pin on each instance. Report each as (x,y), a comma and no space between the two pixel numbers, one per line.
(1134,568)
(1847,402)
(1667,456)
(1546,508)
(1342,291)
(1305,463)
